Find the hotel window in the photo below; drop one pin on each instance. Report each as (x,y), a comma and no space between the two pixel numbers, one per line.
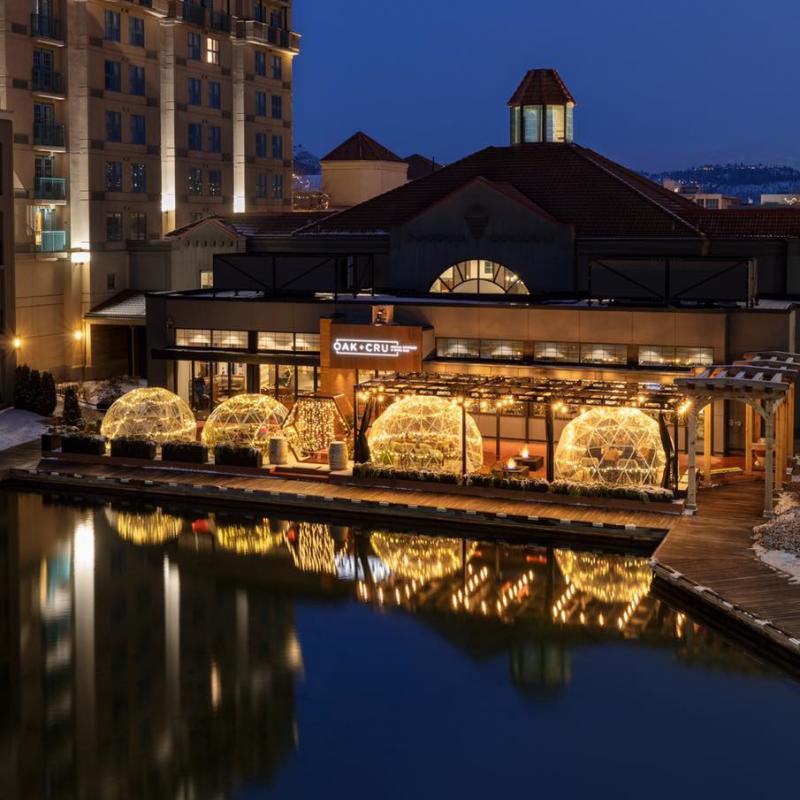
(694,356)
(229,340)
(193,46)
(261,185)
(114,226)
(532,124)
(555,123)
(215,182)
(277,68)
(195,136)
(113,80)
(214,139)
(261,145)
(567,352)
(138,178)
(261,104)
(261,62)
(306,342)
(136,31)
(137,226)
(138,130)
(272,340)
(478,276)
(195,181)
(113,126)
(206,278)
(277,106)
(212,50)
(192,337)
(214,94)
(113,176)
(656,355)
(458,348)
(277,186)
(193,91)
(277,147)
(604,354)
(136,79)
(502,349)
(111,32)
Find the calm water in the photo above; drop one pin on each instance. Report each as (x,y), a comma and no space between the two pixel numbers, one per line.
(181,654)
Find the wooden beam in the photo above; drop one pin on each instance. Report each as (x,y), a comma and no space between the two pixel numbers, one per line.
(769,458)
(691,451)
(748,438)
(708,443)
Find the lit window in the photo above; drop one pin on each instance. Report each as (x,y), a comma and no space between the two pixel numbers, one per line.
(568,352)
(478,277)
(229,340)
(275,341)
(604,354)
(651,355)
(532,124)
(458,348)
(502,349)
(306,342)
(206,278)
(555,123)
(212,50)
(192,337)
(694,356)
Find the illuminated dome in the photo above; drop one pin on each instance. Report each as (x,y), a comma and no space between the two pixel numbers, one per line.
(424,433)
(420,558)
(145,527)
(153,413)
(608,579)
(313,423)
(247,420)
(244,539)
(612,446)
(312,547)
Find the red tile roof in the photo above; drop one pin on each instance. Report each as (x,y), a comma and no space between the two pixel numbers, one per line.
(541,87)
(360,147)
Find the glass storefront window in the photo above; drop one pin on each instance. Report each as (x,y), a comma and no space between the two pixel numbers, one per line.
(272,340)
(230,340)
(286,382)
(305,380)
(654,355)
(230,379)
(306,342)
(568,352)
(192,337)
(604,354)
(458,348)
(694,356)
(502,349)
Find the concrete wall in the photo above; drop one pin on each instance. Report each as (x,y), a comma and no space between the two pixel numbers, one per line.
(348,183)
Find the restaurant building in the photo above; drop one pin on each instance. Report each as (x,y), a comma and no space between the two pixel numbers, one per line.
(542,259)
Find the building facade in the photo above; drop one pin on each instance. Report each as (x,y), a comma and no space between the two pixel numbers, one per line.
(131,119)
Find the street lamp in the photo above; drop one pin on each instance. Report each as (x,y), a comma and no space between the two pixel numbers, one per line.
(17,342)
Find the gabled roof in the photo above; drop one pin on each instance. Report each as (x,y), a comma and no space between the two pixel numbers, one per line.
(541,87)
(420,166)
(255,223)
(573,184)
(360,147)
(127,305)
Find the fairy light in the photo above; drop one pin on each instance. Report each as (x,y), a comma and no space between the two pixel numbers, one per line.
(145,528)
(314,549)
(150,413)
(246,420)
(256,539)
(313,423)
(608,579)
(420,559)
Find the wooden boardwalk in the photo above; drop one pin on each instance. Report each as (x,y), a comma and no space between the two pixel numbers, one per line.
(709,558)
(570,523)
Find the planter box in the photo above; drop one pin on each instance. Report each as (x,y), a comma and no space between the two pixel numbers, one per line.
(238,457)
(137,449)
(83,445)
(185,453)
(50,442)
(609,503)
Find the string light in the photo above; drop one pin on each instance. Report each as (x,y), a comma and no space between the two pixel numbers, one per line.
(420,558)
(313,423)
(244,539)
(608,579)
(145,528)
(247,420)
(314,550)
(150,413)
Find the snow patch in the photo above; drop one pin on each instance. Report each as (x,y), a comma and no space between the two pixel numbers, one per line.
(18,427)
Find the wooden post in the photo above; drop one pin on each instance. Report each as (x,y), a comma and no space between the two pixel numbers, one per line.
(748,438)
(780,445)
(769,456)
(550,436)
(464,438)
(497,433)
(691,452)
(676,476)
(708,443)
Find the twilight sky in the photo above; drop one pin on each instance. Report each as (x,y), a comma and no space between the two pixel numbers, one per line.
(659,83)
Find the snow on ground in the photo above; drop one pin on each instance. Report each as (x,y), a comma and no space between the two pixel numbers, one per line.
(788,563)
(777,542)
(18,427)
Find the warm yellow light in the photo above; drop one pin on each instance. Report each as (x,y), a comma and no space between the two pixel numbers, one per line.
(77,335)
(421,558)
(247,420)
(525,453)
(152,413)
(313,423)
(17,342)
(608,579)
(146,527)
(511,463)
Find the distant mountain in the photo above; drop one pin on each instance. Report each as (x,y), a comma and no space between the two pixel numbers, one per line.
(746,181)
(305,163)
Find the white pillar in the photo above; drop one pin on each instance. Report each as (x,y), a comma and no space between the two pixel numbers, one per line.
(169,197)
(239,176)
(691,452)
(769,457)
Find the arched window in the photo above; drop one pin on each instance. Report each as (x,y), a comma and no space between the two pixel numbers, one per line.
(478,277)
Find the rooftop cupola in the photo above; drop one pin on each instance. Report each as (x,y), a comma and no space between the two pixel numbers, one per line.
(541,109)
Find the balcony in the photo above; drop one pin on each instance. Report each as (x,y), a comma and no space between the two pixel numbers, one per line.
(50,189)
(45,26)
(46,80)
(260,33)
(51,241)
(48,134)
(219,21)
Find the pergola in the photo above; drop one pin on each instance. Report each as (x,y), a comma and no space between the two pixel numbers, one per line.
(764,382)
(487,394)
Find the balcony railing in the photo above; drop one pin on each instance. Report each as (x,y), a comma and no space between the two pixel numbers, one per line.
(194,13)
(219,21)
(48,134)
(46,80)
(52,241)
(50,189)
(46,26)
(266,34)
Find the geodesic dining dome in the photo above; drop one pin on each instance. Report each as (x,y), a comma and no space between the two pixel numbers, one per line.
(246,420)
(424,433)
(607,579)
(144,527)
(614,446)
(150,413)
(420,558)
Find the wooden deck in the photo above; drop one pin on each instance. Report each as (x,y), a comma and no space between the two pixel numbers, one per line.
(581,525)
(709,558)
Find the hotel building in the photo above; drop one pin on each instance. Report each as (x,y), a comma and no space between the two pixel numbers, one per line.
(539,259)
(130,119)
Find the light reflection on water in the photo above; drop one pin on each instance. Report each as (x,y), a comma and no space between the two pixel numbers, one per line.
(161,655)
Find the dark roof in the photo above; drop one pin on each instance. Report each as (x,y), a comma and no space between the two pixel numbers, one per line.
(573,184)
(257,223)
(541,87)
(360,147)
(749,223)
(420,166)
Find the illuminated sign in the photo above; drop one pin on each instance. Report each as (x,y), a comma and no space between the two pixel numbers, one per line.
(372,348)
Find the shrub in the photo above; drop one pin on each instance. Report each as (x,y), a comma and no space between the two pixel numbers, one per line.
(84,444)
(22,387)
(46,403)
(185,452)
(35,389)
(229,456)
(372,470)
(133,448)
(71,414)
